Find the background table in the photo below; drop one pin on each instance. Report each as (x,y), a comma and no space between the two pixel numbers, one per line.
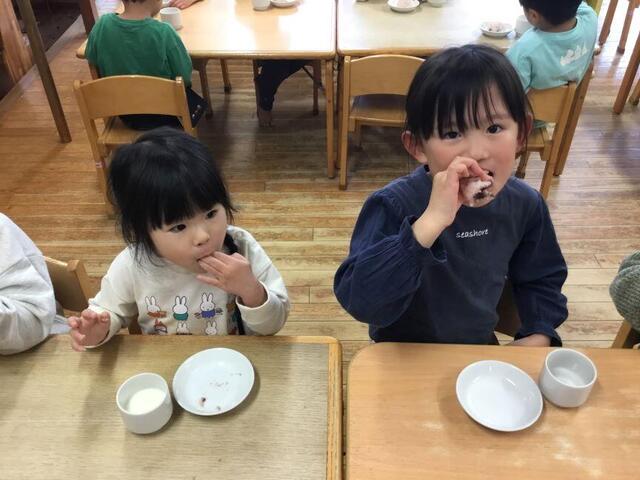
(367,28)
(231,29)
(58,416)
(404,421)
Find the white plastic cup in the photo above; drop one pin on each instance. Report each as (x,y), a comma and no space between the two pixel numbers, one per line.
(522,25)
(260,4)
(144,402)
(567,377)
(172,16)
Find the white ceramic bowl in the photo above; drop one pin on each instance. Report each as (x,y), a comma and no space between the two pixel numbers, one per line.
(496,29)
(400,8)
(499,395)
(144,402)
(567,377)
(284,3)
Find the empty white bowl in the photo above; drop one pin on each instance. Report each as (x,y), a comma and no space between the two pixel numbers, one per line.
(499,395)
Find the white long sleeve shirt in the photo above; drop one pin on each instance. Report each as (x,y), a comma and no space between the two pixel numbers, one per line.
(27,305)
(168,299)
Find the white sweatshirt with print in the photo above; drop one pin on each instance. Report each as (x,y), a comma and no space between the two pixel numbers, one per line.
(168,299)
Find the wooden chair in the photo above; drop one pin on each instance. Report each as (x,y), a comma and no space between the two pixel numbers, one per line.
(71,285)
(627,337)
(109,97)
(572,123)
(627,81)
(73,289)
(508,317)
(608,19)
(316,76)
(595,4)
(551,105)
(378,85)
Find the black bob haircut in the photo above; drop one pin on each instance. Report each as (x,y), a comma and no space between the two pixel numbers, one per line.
(554,11)
(449,88)
(165,176)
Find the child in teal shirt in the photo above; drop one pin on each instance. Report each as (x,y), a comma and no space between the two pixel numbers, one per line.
(559,47)
(134,43)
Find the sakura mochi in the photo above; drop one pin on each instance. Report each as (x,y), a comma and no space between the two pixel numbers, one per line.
(474,189)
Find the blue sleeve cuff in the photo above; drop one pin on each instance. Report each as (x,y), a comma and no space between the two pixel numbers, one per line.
(426,256)
(542,329)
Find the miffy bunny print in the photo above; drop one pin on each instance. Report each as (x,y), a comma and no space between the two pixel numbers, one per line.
(181,315)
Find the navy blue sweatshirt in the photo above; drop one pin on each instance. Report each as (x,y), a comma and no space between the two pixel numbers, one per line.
(448,293)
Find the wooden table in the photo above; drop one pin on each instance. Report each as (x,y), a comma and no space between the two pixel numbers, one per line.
(404,421)
(231,29)
(368,28)
(58,417)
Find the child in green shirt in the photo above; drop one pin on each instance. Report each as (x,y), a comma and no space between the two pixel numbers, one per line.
(134,43)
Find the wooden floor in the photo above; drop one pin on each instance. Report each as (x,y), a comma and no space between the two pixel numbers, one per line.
(278,180)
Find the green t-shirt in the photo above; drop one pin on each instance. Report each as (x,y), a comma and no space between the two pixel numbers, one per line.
(137,47)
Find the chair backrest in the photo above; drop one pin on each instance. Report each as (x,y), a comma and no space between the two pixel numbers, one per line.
(371,75)
(71,284)
(627,337)
(132,94)
(508,317)
(552,105)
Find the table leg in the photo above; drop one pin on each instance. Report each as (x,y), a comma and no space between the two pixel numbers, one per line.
(225,75)
(633,4)
(89,14)
(608,19)
(627,80)
(40,58)
(343,138)
(328,82)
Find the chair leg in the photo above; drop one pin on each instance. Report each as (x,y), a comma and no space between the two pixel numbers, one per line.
(101,172)
(572,123)
(256,71)
(317,82)
(633,4)
(522,165)
(547,176)
(357,135)
(627,80)
(225,76)
(329,94)
(635,95)
(608,19)
(201,66)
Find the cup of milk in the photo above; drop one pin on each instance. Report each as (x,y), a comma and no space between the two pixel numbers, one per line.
(144,402)
(567,377)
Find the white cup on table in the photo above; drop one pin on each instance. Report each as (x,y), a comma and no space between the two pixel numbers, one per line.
(260,4)
(172,16)
(567,377)
(144,402)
